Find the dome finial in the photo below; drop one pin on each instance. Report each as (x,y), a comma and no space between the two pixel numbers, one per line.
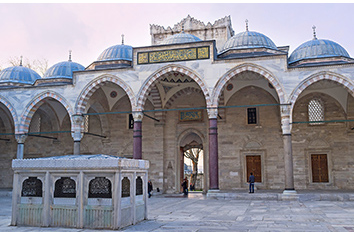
(246,24)
(21,61)
(70,55)
(314,32)
(122,39)
(182,28)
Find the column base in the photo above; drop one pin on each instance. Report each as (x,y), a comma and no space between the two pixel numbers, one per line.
(213,193)
(289,195)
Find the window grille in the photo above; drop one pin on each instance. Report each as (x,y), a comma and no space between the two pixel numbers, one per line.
(316,111)
(86,124)
(252,115)
(36,124)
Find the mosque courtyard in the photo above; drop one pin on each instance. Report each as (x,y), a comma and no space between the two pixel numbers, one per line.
(175,213)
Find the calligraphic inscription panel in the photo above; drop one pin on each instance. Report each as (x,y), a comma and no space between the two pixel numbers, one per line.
(31,187)
(173,55)
(100,187)
(190,116)
(65,187)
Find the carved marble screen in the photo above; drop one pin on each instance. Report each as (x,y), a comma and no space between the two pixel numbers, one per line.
(31,187)
(125,187)
(100,187)
(139,186)
(65,187)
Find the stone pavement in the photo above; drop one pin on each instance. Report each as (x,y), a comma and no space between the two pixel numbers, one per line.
(174,213)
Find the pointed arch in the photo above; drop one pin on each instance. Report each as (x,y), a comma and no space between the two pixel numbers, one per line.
(220,85)
(11,109)
(147,85)
(35,103)
(89,90)
(324,75)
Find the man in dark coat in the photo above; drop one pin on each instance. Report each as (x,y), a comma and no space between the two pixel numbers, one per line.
(149,188)
(251,181)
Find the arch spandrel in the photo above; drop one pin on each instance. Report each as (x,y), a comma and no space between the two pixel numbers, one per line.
(345,82)
(147,85)
(93,86)
(220,85)
(35,103)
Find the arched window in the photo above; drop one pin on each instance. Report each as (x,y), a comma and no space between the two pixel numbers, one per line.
(139,186)
(86,124)
(125,187)
(35,124)
(31,187)
(65,187)
(100,187)
(316,111)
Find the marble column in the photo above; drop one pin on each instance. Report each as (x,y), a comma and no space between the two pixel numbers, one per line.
(137,135)
(288,156)
(20,138)
(77,132)
(213,149)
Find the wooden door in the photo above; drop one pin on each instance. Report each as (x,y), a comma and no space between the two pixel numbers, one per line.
(319,168)
(254,166)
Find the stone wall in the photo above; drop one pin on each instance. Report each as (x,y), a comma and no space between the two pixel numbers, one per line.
(237,139)
(333,139)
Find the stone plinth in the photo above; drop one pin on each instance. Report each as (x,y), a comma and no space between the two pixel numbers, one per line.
(81,191)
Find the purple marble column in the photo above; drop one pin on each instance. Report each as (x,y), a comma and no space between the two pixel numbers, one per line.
(137,140)
(213,154)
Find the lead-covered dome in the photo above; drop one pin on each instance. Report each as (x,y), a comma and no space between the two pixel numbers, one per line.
(317,48)
(181,38)
(248,40)
(63,70)
(18,75)
(117,52)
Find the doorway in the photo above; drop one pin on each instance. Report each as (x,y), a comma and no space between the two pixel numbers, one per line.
(253,163)
(192,162)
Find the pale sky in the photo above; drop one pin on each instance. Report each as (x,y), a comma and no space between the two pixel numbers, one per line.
(48,30)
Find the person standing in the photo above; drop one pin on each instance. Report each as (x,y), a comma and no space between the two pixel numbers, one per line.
(185,186)
(251,181)
(149,188)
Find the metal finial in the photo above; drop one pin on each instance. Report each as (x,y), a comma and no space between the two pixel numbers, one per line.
(246,24)
(122,39)
(183,28)
(21,61)
(70,55)
(314,32)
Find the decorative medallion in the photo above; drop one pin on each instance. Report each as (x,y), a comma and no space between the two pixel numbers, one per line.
(229,87)
(113,94)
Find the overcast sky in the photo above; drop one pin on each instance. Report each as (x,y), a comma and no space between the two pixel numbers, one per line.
(49,31)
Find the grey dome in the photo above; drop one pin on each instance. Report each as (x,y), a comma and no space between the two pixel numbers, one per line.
(19,74)
(317,48)
(248,39)
(63,69)
(181,38)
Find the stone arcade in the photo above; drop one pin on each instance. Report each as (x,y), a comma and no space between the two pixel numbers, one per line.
(250,104)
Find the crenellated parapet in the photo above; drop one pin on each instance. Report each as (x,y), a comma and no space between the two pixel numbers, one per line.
(221,30)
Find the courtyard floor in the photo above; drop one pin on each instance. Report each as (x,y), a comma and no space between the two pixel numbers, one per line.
(196,213)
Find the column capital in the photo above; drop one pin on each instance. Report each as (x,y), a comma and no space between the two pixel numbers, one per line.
(285,119)
(20,138)
(212,112)
(77,128)
(137,116)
